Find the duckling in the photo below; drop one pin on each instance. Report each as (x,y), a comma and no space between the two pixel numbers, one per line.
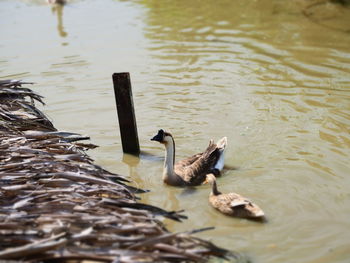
(232,204)
(193,170)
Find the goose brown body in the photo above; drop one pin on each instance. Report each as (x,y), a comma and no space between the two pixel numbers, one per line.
(232,204)
(191,171)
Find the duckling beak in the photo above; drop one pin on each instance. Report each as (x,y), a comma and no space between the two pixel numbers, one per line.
(205,181)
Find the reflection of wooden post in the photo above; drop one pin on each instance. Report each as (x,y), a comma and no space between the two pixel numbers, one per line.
(126,114)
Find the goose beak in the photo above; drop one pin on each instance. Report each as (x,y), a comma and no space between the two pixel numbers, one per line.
(159,136)
(156,138)
(205,181)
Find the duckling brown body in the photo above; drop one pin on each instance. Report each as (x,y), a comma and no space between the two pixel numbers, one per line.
(232,204)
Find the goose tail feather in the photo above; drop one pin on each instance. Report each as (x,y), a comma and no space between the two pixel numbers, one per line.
(221,144)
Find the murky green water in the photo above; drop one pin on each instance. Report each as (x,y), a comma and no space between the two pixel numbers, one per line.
(272,76)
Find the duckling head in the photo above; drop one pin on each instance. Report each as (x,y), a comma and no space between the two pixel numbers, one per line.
(210,179)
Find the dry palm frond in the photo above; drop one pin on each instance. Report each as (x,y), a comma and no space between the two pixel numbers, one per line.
(55,203)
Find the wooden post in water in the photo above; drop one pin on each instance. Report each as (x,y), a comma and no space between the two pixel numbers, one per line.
(126,114)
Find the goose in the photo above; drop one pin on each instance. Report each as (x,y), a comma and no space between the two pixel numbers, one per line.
(232,204)
(193,170)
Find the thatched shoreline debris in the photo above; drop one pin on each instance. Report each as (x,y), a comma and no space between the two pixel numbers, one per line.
(56,204)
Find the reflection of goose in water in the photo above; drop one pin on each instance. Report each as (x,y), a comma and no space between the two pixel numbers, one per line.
(232,204)
(190,171)
(59,2)
(57,6)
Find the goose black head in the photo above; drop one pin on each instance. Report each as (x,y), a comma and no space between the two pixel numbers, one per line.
(159,137)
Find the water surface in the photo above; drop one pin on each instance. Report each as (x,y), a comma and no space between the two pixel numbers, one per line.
(272,76)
